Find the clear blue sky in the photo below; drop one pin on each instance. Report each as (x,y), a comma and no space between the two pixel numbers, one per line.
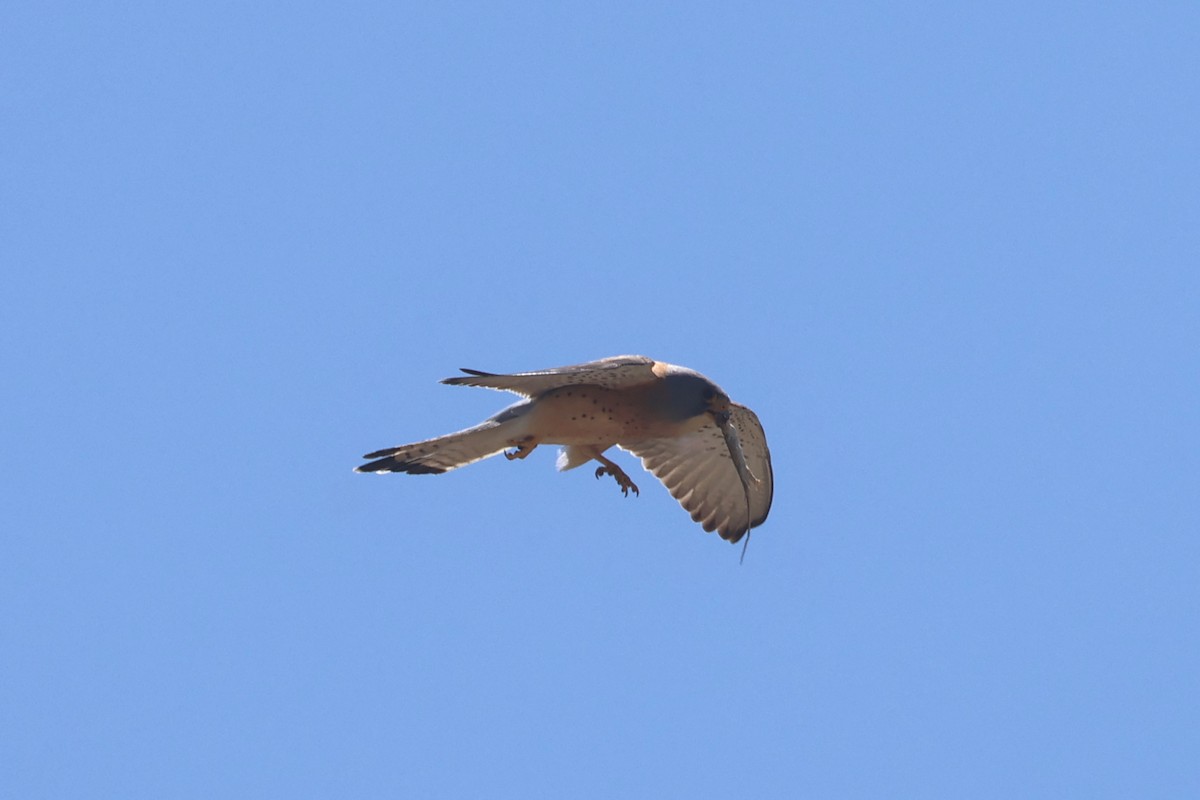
(950,254)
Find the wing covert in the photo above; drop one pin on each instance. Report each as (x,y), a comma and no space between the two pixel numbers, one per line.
(617,372)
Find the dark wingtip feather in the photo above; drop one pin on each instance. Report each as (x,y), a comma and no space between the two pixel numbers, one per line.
(458,380)
(390,464)
(422,469)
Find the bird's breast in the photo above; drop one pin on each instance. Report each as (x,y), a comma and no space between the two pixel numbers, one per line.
(588,415)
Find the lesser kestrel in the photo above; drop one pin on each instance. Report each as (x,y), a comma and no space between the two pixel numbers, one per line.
(710,452)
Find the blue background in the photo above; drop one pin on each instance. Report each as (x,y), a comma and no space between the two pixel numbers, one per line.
(948,252)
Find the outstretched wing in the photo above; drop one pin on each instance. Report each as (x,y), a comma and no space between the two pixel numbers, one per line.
(698,472)
(442,454)
(618,372)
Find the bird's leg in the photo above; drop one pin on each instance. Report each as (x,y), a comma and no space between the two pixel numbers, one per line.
(622,479)
(524,445)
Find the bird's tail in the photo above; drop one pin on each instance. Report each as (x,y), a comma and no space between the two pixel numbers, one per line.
(443,453)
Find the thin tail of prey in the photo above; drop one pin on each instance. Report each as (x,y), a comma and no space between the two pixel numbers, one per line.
(444,453)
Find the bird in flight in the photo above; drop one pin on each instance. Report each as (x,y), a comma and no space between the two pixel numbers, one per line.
(710,452)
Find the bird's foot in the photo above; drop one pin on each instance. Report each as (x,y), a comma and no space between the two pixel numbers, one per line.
(619,475)
(524,447)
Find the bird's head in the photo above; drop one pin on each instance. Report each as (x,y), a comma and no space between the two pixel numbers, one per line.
(686,394)
(716,403)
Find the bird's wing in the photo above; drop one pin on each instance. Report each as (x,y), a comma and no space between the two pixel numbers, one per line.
(442,454)
(696,468)
(618,372)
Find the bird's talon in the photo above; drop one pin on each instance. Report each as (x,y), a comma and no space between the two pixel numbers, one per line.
(524,447)
(620,477)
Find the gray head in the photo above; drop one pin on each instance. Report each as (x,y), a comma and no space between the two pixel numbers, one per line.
(686,394)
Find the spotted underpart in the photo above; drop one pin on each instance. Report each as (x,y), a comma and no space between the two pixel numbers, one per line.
(709,452)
